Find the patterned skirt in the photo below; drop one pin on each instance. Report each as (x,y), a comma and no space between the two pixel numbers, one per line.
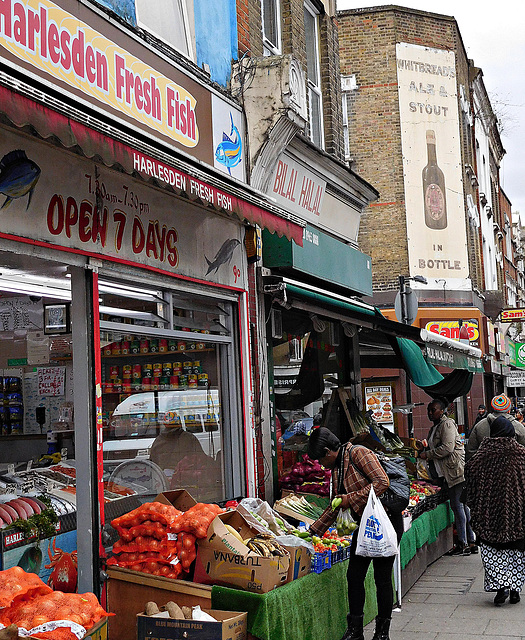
(503,568)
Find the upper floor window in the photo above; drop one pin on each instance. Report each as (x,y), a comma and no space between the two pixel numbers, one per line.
(271,26)
(315,101)
(169,20)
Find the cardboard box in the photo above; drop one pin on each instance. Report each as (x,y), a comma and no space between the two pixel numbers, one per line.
(98,632)
(179,498)
(223,559)
(300,562)
(129,591)
(230,625)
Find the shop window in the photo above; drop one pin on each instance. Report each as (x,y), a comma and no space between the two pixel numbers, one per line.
(315,101)
(170,21)
(167,389)
(271,26)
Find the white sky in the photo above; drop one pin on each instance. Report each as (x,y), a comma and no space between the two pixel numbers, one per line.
(494,37)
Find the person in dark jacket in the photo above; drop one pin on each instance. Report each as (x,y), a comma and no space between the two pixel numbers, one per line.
(500,406)
(495,478)
(355,470)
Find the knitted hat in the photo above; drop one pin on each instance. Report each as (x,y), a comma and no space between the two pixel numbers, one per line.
(501,403)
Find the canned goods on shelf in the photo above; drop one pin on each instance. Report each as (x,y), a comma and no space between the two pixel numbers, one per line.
(147,370)
(135,346)
(144,346)
(192,381)
(114,371)
(173,345)
(126,347)
(137,371)
(163,345)
(154,345)
(183,381)
(197,367)
(116,349)
(181,345)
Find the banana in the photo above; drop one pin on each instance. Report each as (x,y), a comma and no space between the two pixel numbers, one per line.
(258,547)
(235,533)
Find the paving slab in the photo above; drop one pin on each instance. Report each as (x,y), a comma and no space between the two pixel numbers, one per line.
(449,602)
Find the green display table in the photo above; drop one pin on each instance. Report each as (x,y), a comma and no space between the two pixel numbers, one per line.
(315,606)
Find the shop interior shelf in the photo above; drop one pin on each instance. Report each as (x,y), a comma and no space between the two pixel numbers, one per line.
(157,354)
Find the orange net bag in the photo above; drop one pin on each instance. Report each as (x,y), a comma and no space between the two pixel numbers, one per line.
(81,609)
(16,585)
(186,549)
(143,544)
(197,519)
(151,512)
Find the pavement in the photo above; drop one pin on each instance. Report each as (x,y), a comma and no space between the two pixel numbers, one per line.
(448,602)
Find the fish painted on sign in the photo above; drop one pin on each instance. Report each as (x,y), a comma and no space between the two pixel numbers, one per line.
(224,255)
(229,151)
(31,560)
(18,176)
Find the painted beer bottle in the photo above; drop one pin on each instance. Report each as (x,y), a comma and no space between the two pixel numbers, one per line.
(434,188)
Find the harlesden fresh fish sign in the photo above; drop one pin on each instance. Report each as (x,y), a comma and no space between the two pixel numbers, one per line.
(44,35)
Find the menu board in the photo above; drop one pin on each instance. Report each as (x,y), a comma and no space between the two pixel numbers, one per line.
(379,400)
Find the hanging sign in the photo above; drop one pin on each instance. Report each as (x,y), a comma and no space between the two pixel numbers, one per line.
(512,315)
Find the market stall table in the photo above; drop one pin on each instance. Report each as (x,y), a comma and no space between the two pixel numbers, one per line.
(316,605)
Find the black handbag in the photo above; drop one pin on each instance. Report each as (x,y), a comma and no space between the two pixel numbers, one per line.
(397,496)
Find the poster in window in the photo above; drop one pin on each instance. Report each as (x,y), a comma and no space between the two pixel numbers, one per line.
(56,318)
(379,400)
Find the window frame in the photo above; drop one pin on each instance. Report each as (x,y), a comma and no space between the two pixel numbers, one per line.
(272,48)
(314,85)
(183,5)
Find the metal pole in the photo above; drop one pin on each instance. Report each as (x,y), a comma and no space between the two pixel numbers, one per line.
(404,320)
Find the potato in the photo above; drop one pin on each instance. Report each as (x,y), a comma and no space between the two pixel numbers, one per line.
(187,612)
(151,608)
(174,610)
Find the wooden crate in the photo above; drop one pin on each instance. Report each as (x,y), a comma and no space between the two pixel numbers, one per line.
(128,591)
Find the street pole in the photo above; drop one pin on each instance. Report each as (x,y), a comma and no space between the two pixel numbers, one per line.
(404,320)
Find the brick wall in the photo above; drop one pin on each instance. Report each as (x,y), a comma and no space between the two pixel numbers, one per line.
(368,40)
(249,28)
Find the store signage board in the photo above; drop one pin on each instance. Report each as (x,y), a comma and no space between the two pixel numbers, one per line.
(81,54)
(321,256)
(297,188)
(515,379)
(517,351)
(435,210)
(512,315)
(450,329)
(379,400)
(72,202)
(452,359)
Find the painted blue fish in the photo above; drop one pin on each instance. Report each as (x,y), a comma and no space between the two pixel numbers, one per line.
(229,151)
(224,254)
(18,176)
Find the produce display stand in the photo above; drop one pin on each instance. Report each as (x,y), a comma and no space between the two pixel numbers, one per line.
(316,605)
(429,537)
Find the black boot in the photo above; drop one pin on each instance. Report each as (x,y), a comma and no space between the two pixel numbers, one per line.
(355,628)
(382,629)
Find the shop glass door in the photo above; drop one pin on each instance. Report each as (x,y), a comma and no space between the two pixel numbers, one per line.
(170,396)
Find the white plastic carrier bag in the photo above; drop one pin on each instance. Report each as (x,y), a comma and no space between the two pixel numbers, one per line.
(376,537)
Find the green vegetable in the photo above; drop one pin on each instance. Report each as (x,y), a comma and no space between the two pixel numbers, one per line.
(336,502)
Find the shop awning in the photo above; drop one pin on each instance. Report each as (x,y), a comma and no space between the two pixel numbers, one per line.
(153,164)
(416,351)
(332,305)
(443,351)
(425,376)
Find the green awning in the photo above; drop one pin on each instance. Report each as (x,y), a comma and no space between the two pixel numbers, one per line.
(427,377)
(321,299)
(420,371)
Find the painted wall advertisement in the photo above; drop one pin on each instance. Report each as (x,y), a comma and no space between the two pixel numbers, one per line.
(432,164)
(82,54)
(380,401)
(69,201)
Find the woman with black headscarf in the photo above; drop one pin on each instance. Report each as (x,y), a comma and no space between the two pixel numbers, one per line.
(496,496)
